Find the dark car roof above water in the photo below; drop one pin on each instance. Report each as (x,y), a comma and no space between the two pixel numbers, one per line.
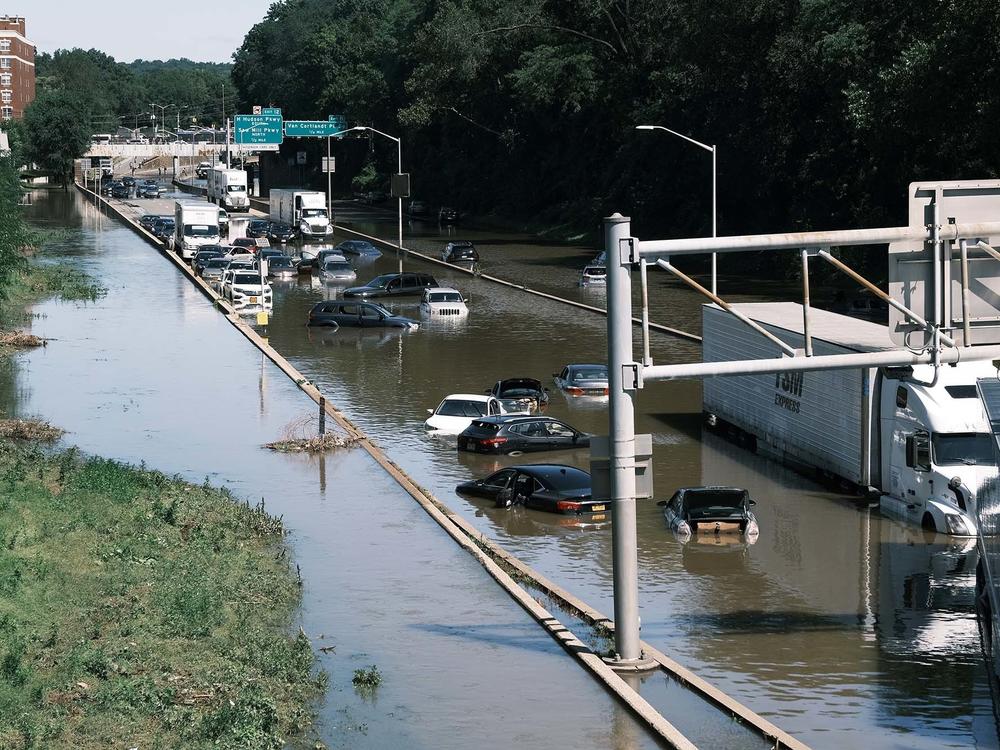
(552,474)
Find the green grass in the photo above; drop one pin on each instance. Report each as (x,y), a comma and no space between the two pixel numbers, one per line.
(137,610)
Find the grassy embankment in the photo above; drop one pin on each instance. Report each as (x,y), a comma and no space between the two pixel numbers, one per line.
(137,610)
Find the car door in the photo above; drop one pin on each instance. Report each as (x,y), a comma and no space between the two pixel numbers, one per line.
(348,315)
(535,437)
(394,287)
(410,284)
(523,489)
(560,435)
(370,317)
(495,484)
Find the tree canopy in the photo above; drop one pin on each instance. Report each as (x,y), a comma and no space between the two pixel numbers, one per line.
(822,110)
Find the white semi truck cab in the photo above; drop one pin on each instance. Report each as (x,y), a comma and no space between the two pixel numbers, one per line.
(304,210)
(228,188)
(936,444)
(196,224)
(918,436)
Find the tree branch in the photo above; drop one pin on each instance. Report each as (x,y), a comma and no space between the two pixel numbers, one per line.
(550,27)
(497,133)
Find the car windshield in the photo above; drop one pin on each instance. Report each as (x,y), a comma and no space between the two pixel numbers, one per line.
(379,282)
(199,230)
(963,448)
(445,297)
(280,262)
(704,502)
(592,373)
(257,224)
(462,408)
(247,279)
(308,213)
(280,228)
(235,188)
(337,266)
(217,263)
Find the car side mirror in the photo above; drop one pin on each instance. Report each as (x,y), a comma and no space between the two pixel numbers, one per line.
(753,502)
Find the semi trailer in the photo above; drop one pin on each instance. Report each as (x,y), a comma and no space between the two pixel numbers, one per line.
(916,437)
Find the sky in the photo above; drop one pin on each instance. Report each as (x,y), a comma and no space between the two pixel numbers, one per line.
(206,31)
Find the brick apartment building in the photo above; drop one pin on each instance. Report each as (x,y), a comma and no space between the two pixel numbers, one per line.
(17,68)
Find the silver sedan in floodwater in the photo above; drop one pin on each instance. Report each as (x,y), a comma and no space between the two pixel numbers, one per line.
(583,380)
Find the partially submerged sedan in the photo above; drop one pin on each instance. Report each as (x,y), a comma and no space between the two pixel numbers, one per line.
(337,313)
(550,487)
(513,434)
(711,512)
(583,380)
(526,394)
(456,412)
(336,269)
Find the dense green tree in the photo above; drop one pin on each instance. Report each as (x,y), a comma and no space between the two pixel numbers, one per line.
(57,131)
(14,233)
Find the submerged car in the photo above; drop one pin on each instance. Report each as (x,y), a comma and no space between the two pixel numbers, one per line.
(280,232)
(550,487)
(337,269)
(447,215)
(393,285)
(461,251)
(212,270)
(711,511)
(443,301)
(163,228)
(244,288)
(594,276)
(418,209)
(358,247)
(257,228)
(456,412)
(147,220)
(527,393)
(246,242)
(337,313)
(583,380)
(520,434)
(281,267)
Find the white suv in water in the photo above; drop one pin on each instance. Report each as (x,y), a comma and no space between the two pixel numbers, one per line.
(443,301)
(244,288)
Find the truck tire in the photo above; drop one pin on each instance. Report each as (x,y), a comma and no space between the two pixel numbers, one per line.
(927,523)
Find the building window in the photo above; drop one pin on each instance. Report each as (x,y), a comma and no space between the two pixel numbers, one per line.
(4,45)
(6,112)
(4,62)
(6,96)
(5,79)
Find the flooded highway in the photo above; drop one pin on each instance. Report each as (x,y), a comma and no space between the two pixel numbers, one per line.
(844,628)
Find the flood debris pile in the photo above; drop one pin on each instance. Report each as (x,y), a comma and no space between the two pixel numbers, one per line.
(137,610)
(20,340)
(302,436)
(36,430)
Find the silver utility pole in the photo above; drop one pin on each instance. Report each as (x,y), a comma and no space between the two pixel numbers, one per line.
(622,442)
(329,183)
(399,170)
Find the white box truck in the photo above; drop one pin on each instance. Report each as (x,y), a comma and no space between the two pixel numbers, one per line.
(196,224)
(917,436)
(304,210)
(228,188)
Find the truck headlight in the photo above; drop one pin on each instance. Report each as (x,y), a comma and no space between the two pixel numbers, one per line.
(956,525)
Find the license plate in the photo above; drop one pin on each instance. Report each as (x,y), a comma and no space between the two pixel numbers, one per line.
(597,508)
(253,300)
(598,517)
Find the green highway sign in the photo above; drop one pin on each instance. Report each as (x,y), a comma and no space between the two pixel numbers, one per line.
(257,129)
(340,121)
(271,111)
(313,128)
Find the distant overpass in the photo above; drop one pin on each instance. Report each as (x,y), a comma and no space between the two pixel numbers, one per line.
(151,150)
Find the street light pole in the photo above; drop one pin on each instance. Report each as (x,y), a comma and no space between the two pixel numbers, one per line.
(399,170)
(711,148)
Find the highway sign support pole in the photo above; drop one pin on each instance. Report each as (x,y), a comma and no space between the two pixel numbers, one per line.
(329,183)
(622,445)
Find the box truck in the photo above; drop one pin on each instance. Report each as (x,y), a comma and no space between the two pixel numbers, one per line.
(916,436)
(228,188)
(304,210)
(195,224)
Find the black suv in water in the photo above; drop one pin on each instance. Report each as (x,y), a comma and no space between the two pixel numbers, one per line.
(515,434)
(461,251)
(393,285)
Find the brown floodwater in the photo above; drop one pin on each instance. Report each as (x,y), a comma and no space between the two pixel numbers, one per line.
(844,628)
